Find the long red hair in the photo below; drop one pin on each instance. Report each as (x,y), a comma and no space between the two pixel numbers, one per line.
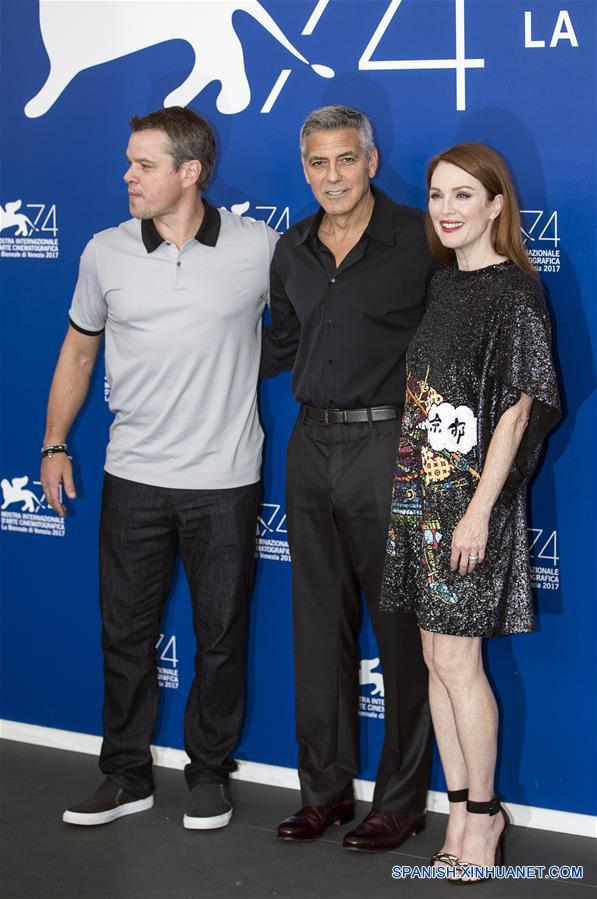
(488,167)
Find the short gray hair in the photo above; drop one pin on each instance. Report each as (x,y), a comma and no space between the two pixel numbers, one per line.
(329,118)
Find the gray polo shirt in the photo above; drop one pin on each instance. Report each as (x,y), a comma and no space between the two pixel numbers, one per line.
(183,340)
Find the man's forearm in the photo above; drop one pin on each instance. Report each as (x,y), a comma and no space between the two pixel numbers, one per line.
(69,386)
(272,363)
(278,350)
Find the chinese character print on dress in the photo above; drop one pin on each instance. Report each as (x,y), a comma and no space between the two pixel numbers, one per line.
(484,340)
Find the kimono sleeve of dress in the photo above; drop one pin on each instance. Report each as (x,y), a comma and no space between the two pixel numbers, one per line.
(523,363)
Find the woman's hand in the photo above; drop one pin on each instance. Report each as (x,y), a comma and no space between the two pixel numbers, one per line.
(469,541)
(470,536)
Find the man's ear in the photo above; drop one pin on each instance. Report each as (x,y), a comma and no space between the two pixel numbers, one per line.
(192,171)
(305,173)
(373,162)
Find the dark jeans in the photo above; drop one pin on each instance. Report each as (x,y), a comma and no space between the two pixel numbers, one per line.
(338,506)
(142,529)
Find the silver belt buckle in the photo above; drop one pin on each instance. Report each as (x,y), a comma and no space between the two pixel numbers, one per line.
(326,417)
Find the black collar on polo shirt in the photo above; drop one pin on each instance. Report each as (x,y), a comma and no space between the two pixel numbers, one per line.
(380,227)
(208,232)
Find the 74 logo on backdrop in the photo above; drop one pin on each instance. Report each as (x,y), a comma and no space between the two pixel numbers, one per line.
(278,217)
(167,662)
(25,510)
(42,217)
(28,231)
(543,547)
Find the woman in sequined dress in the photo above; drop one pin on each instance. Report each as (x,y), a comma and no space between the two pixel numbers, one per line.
(481,395)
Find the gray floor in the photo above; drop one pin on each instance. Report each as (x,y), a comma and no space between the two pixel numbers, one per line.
(151,856)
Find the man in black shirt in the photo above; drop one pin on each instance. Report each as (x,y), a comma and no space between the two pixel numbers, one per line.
(347,292)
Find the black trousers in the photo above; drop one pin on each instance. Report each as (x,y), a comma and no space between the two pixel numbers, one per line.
(339,480)
(142,529)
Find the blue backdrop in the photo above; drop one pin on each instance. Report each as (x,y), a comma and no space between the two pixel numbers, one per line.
(518,75)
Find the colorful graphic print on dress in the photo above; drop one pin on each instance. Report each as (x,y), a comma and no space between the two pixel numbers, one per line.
(432,457)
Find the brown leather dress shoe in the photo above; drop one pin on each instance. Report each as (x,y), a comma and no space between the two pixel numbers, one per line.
(311,821)
(384,830)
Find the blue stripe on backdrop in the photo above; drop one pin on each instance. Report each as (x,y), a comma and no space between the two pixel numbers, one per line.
(518,75)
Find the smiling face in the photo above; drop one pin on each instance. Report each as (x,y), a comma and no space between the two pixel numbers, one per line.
(155,187)
(462,212)
(337,169)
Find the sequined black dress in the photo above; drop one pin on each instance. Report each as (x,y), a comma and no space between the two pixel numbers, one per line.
(485,338)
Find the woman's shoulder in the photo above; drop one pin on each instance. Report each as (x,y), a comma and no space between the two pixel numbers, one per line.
(521,291)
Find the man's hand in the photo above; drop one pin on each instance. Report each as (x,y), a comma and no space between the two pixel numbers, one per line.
(57,471)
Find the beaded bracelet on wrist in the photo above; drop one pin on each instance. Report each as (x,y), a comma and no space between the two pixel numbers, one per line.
(50,449)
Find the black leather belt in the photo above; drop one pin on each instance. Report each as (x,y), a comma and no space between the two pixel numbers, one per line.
(352,416)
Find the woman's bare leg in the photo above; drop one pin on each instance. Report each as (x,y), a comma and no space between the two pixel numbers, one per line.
(453,763)
(458,664)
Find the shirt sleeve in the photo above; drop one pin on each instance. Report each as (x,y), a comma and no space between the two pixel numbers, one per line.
(272,238)
(524,364)
(281,338)
(88,311)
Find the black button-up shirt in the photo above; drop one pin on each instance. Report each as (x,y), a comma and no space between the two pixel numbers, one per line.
(344,330)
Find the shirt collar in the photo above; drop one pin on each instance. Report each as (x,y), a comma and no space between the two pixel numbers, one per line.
(381,224)
(208,232)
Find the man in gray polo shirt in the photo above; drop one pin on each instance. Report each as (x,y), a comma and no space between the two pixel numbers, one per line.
(179,291)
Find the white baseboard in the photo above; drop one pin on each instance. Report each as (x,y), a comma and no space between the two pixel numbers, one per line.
(277,776)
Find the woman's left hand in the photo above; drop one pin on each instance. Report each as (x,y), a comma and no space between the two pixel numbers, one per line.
(469,541)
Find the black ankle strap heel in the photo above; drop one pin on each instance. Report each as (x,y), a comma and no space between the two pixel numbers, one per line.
(484,808)
(492,807)
(446,857)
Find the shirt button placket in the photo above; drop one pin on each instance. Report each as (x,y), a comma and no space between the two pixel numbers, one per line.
(331,381)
